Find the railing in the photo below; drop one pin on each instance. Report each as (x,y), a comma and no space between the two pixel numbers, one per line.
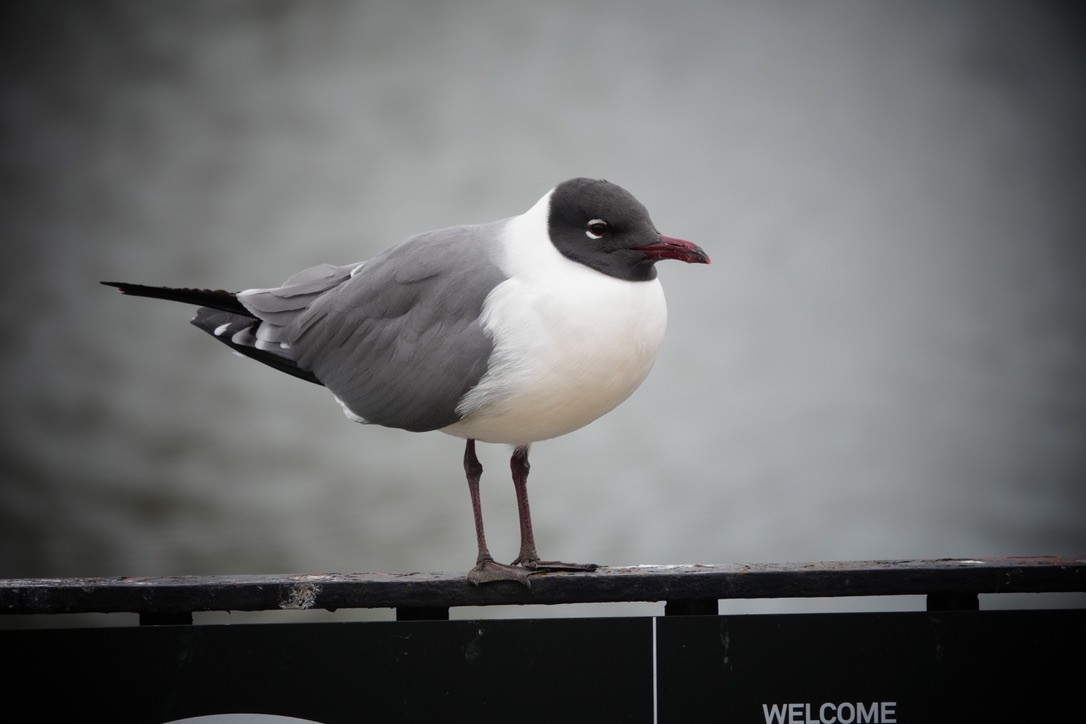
(952,662)
(691,588)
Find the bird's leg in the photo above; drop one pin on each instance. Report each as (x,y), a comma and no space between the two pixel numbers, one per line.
(486,570)
(528,557)
(518,463)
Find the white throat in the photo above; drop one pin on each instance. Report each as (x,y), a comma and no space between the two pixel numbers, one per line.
(570,343)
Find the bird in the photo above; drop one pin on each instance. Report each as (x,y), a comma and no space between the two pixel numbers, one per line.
(511,332)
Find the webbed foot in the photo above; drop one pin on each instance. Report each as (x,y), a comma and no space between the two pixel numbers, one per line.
(490,571)
(537,566)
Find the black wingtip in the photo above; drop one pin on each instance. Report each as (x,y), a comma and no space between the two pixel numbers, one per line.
(140,290)
(214,298)
(122,286)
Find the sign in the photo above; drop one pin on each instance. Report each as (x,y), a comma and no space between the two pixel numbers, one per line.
(870,668)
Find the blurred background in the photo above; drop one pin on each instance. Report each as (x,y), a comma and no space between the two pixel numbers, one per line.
(885,360)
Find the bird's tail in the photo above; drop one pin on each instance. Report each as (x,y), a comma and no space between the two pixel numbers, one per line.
(226,319)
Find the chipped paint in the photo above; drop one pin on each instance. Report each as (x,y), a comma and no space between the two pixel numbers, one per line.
(300,597)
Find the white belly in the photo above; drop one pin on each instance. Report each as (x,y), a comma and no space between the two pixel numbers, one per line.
(564,354)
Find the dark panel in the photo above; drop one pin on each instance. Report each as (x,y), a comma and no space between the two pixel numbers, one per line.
(1010,666)
(517,670)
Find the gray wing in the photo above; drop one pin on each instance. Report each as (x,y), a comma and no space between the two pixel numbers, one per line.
(399,340)
(279,307)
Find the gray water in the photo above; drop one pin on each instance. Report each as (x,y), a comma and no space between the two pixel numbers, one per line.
(885,360)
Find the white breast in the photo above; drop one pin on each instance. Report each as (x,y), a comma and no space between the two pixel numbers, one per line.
(570,343)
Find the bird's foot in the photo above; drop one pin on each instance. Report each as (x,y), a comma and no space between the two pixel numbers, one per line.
(490,571)
(537,566)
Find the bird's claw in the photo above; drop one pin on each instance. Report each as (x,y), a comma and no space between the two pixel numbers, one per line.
(490,571)
(537,566)
(493,572)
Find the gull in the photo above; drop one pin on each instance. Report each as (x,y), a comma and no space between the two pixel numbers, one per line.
(512,332)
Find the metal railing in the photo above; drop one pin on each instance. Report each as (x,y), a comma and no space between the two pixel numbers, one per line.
(951,663)
(687,588)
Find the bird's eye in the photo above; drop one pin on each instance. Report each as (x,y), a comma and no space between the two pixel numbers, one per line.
(596,229)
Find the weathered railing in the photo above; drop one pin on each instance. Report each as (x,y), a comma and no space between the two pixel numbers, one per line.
(948,583)
(952,662)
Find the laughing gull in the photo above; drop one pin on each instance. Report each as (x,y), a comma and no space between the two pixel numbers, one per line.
(510,332)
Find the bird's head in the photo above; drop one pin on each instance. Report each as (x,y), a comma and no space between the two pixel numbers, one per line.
(602,226)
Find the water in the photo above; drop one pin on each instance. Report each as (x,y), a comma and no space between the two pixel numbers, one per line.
(884,361)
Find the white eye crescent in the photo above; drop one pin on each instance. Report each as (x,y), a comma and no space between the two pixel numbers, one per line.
(596,229)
